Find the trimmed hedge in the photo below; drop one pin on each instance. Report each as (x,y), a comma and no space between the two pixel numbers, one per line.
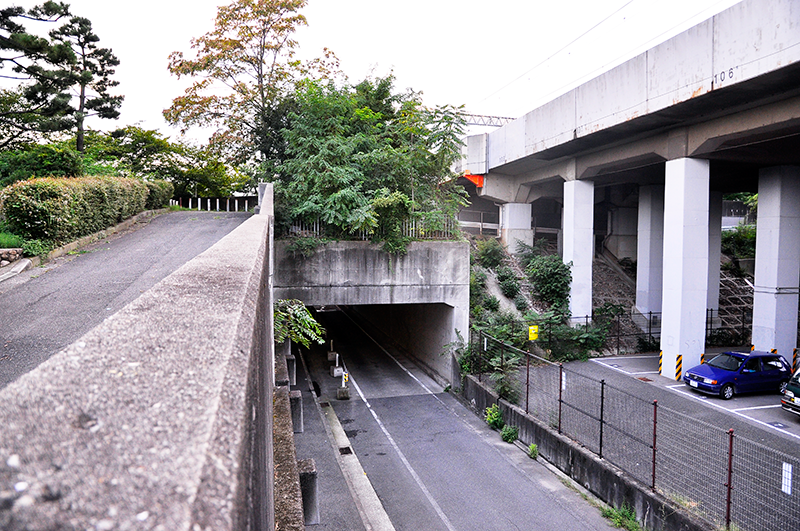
(63,209)
(160,194)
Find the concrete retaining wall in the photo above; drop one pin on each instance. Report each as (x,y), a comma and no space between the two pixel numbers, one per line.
(161,416)
(610,484)
(418,300)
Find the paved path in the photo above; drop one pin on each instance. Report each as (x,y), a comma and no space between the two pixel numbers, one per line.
(47,308)
(432,463)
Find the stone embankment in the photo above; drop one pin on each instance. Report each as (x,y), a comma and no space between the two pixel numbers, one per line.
(9,256)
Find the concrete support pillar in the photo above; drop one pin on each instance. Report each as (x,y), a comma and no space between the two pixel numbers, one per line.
(650,249)
(685,272)
(777,260)
(714,249)
(578,227)
(515,224)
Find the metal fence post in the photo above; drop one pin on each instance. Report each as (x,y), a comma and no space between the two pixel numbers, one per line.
(729,484)
(527,380)
(602,408)
(560,395)
(655,423)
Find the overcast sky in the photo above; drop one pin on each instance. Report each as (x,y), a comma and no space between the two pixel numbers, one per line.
(499,58)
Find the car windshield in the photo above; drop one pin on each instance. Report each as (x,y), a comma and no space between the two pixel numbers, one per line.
(727,362)
(796,378)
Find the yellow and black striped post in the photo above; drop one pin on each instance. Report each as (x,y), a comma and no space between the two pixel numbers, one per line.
(678,368)
(773,351)
(752,348)
(794,360)
(660,360)
(702,358)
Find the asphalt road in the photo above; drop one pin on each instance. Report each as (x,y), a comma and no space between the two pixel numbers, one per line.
(433,463)
(47,308)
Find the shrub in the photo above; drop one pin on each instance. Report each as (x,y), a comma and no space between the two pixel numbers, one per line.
(509,433)
(64,209)
(490,253)
(510,287)
(521,303)
(740,242)
(533,451)
(477,287)
(39,161)
(37,247)
(551,278)
(10,241)
(491,303)
(159,194)
(494,417)
(504,273)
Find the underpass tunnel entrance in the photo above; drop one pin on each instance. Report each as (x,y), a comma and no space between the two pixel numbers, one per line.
(420,331)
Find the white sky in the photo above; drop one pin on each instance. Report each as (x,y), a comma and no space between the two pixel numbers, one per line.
(500,58)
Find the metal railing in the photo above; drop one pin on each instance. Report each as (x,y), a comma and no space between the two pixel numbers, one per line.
(416,228)
(729,480)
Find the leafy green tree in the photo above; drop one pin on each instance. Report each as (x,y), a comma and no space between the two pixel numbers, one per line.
(244,70)
(364,158)
(91,72)
(133,151)
(40,102)
(39,160)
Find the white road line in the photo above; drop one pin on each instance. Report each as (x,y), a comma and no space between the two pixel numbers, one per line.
(425,491)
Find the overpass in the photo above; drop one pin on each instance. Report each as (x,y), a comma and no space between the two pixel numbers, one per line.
(637,160)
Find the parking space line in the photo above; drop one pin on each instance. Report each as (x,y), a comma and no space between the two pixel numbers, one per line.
(772,406)
(734,411)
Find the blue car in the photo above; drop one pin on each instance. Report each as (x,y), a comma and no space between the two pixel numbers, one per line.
(731,373)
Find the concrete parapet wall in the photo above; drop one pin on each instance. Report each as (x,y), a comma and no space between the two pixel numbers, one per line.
(161,416)
(610,484)
(352,273)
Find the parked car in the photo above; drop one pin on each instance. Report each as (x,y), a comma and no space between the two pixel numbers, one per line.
(731,373)
(791,395)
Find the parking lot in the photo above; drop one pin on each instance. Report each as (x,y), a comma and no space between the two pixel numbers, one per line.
(762,410)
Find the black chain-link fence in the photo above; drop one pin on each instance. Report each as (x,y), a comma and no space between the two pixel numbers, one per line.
(729,480)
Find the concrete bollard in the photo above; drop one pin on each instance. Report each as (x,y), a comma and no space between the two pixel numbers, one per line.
(332,355)
(296,404)
(308,487)
(291,367)
(336,371)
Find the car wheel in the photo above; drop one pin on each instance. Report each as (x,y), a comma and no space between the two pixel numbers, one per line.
(726,392)
(782,386)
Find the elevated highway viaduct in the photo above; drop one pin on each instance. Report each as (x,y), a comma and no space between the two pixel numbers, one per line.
(637,160)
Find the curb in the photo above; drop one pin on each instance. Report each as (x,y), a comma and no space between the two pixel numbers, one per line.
(36,261)
(16,268)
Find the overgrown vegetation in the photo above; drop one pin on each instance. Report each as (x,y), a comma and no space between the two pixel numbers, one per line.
(509,433)
(366,158)
(533,451)
(624,517)
(494,417)
(293,321)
